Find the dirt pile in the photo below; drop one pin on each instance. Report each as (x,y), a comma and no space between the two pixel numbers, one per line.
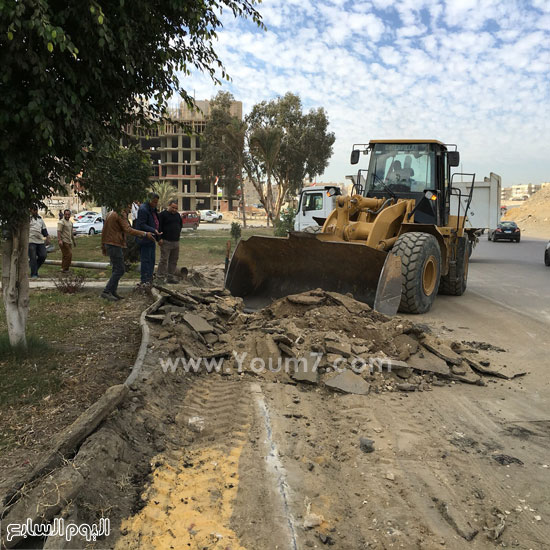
(534,214)
(316,337)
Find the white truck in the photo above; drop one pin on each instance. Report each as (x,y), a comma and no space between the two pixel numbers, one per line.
(314,206)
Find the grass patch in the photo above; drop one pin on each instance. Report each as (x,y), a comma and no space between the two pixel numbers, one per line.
(26,376)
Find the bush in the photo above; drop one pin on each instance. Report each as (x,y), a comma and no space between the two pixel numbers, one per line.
(236,231)
(285,223)
(69,283)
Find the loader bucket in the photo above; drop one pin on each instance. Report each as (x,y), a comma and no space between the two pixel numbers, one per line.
(265,268)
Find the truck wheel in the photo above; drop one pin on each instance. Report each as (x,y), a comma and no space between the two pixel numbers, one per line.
(546,258)
(421,268)
(455,282)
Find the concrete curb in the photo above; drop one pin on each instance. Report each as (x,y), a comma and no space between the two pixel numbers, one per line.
(145,336)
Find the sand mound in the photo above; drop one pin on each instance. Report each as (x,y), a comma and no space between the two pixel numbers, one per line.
(533,216)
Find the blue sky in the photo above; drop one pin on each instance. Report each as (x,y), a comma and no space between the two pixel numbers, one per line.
(471,72)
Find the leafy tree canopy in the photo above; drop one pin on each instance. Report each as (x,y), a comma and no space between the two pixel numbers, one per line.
(222,145)
(286,144)
(116,178)
(75,73)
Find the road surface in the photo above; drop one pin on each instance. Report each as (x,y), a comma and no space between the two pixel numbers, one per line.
(512,274)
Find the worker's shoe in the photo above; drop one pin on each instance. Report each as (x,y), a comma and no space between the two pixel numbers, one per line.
(172,280)
(109,296)
(118,296)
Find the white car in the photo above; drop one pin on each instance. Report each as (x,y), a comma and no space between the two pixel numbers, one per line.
(88,225)
(83,214)
(210,216)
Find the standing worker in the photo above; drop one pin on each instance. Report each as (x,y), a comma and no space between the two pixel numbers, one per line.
(113,241)
(66,240)
(37,246)
(147,220)
(170,225)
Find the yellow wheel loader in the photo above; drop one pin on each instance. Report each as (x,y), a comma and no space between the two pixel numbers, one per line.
(393,243)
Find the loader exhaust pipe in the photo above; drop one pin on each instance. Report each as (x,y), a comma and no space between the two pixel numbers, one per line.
(266,268)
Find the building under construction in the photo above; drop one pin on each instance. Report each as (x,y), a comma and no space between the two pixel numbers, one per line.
(175,155)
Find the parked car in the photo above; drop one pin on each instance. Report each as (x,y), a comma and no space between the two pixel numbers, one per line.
(547,255)
(83,214)
(88,225)
(505,231)
(210,216)
(190,219)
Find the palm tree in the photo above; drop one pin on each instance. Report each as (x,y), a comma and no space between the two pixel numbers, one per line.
(166,192)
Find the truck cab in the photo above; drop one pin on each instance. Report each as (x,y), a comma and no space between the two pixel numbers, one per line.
(315,205)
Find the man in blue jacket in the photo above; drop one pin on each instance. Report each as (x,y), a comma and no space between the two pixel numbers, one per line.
(147,220)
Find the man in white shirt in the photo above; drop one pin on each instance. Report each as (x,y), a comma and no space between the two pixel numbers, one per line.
(37,245)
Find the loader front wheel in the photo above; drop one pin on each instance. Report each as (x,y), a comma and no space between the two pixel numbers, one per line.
(454,283)
(421,269)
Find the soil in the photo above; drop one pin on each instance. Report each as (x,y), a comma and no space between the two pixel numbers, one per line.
(238,458)
(90,360)
(533,216)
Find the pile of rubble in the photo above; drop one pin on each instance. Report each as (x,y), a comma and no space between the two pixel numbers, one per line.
(316,337)
(534,214)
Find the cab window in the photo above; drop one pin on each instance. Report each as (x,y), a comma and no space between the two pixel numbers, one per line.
(313,201)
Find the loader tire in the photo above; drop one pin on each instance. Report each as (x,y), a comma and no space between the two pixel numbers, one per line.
(421,269)
(455,282)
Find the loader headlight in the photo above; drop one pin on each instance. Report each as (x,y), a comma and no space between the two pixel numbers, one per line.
(431,196)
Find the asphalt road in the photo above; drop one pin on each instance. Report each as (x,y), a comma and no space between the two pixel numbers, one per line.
(513,275)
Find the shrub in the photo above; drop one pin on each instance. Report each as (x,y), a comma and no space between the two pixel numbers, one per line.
(69,283)
(236,231)
(285,223)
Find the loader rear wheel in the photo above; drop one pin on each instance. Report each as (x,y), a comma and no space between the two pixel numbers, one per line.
(421,270)
(454,283)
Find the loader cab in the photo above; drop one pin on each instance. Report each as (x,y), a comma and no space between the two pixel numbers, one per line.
(411,170)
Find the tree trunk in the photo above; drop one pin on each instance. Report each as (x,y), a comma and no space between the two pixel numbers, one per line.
(244,203)
(15,282)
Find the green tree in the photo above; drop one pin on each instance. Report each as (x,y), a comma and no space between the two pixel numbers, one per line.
(73,75)
(222,147)
(265,145)
(288,145)
(115,179)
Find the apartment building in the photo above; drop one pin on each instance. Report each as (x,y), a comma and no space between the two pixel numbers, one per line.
(175,155)
(519,192)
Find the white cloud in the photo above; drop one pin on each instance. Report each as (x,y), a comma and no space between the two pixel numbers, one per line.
(472,72)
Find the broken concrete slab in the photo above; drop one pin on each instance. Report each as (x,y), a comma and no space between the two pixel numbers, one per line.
(348,382)
(305,370)
(441,349)
(155,318)
(267,349)
(305,299)
(405,345)
(198,323)
(428,362)
(338,348)
(211,338)
(287,350)
(406,387)
(493,371)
